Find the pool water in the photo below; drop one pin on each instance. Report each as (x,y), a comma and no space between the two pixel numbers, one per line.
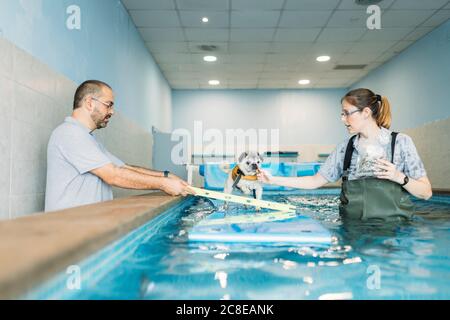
(368,260)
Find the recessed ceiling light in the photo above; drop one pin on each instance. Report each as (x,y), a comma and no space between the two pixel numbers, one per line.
(367,2)
(214,82)
(323,58)
(210,58)
(205,20)
(304,82)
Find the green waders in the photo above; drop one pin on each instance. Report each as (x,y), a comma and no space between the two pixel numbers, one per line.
(373,198)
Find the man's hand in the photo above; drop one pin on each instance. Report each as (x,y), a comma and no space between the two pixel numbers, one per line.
(175,187)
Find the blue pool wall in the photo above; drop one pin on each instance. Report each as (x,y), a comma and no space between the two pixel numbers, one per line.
(416,81)
(108,47)
(308,116)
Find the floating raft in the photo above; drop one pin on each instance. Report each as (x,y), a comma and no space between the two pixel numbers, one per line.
(260,228)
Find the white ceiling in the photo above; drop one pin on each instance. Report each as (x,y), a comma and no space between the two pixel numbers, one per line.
(271,44)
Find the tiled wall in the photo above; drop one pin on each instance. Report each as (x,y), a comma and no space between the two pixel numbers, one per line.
(433,144)
(33,101)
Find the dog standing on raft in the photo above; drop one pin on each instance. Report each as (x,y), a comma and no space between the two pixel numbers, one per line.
(244,176)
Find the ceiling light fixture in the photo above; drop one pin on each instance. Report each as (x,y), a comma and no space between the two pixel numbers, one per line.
(210,58)
(205,20)
(304,82)
(214,82)
(367,2)
(323,58)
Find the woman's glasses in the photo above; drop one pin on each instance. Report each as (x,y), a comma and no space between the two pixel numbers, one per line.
(346,114)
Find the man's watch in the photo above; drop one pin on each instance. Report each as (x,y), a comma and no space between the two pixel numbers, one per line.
(405,181)
(166,174)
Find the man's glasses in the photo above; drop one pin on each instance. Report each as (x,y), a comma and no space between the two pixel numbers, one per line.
(108,105)
(345,114)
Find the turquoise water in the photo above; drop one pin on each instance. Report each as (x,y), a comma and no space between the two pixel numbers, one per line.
(409,260)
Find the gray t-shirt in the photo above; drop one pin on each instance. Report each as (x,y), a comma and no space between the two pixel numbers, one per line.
(406,158)
(71,154)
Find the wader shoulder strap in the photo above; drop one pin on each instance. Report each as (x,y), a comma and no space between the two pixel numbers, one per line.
(394,137)
(348,155)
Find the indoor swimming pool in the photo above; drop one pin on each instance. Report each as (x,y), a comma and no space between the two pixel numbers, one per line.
(367,260)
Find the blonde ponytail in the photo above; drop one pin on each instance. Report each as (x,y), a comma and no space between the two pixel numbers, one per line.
(384,116)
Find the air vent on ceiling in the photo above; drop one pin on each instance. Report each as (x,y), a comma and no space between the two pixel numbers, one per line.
(367,2)
(350,66)
(208,48)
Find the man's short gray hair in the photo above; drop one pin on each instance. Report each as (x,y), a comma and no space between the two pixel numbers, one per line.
(86,88)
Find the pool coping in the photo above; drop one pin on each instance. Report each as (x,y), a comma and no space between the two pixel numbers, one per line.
(37,247)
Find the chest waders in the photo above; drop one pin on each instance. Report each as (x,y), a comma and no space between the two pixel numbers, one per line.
(372,198)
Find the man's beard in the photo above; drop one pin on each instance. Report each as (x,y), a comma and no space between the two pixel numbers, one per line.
(99,119)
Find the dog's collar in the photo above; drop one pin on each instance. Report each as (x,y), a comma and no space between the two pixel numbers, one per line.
(237,172)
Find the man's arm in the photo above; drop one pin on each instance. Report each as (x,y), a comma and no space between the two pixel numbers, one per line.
(144,170)
(123,177)
(150,172)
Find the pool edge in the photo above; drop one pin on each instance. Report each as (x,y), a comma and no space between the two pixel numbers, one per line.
(112,220)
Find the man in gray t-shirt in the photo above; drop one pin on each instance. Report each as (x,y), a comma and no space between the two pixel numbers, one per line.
(80,170)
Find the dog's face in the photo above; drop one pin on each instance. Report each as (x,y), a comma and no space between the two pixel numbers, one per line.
(249,162)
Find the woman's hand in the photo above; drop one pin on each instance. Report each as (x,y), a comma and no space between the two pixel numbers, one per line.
(387,170)
(265,177)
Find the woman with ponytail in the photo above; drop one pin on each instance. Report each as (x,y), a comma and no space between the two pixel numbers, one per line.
(379,168)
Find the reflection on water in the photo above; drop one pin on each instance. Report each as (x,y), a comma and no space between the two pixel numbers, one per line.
(405,260)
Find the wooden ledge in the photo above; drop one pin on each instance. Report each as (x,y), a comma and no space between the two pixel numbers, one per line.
(35,248)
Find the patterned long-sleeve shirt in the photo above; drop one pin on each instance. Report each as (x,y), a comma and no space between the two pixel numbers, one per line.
(406,158)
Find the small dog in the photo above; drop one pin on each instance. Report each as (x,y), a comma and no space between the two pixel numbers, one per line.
(243,176)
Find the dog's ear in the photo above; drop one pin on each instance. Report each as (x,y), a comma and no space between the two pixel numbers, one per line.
(260,157)
(243,156)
